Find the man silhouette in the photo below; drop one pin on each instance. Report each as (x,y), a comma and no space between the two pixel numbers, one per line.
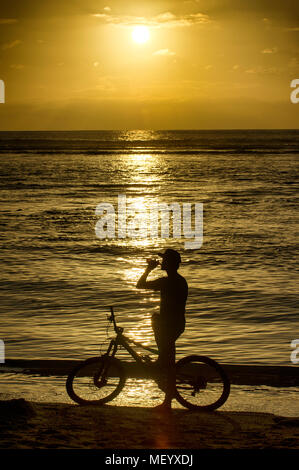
(169,324)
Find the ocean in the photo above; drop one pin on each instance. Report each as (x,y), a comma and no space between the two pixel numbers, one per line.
(58,279)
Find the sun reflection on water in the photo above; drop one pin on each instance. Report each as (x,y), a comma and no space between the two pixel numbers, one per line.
(138,134)
(142,332)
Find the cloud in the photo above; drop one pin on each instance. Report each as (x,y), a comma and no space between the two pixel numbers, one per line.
(166,19)
(294,62)
(267,22)
(8,20)
(295,28)
(272,50)
(10,45)
(262,70)
(17,66)
(164,52)
(169,19)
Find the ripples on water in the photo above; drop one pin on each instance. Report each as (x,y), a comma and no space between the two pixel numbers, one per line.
(58,279)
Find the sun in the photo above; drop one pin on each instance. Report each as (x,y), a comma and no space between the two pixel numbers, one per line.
(140,34)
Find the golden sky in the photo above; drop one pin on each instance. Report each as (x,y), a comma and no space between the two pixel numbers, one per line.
(207,64)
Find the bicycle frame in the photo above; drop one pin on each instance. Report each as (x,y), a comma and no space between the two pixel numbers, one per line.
(122,340)
(92,376)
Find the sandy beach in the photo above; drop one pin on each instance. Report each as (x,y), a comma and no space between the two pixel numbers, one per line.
(36,413)
(29,425)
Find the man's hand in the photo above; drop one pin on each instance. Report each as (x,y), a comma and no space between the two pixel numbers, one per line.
(152,264)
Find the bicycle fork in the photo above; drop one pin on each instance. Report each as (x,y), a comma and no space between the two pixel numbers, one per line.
(100,377)
(112,347)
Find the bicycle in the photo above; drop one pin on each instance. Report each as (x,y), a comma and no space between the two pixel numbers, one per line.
(201,383)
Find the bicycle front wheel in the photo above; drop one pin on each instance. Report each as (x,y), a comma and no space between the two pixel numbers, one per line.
(201,383)
(96,381)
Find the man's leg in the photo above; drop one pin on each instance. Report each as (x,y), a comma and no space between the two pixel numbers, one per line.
(158,333)
(168,360)
(165,339)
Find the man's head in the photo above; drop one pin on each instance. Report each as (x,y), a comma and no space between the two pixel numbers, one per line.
(170,260)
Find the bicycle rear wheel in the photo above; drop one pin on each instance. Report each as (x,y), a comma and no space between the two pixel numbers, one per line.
(201,383)
(96,380)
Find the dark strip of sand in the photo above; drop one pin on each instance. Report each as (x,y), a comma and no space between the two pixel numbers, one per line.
(275,376)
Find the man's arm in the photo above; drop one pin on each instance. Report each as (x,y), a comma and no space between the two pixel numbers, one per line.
(143,283)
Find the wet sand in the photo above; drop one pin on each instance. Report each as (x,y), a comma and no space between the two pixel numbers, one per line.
(30,425)
(275,376)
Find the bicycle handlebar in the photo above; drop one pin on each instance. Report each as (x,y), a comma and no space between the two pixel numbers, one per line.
(117,329)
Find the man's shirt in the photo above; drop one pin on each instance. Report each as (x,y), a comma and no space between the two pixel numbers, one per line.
(173,294)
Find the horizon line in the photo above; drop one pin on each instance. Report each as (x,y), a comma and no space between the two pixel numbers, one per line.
(153,130)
